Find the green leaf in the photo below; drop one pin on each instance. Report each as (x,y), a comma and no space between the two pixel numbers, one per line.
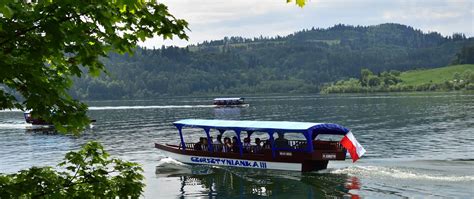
(300,3)
(6,11)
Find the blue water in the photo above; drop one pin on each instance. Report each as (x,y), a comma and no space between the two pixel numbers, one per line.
(418,145)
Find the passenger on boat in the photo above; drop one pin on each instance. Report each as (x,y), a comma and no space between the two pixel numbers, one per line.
(281,142)
(235,145)
(204,145)
(198,145)
(247,145)
(257,148)
(266,144)
(218,144)
(218,140)
(227,145)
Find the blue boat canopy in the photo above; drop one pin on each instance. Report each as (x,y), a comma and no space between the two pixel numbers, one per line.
(308,129)
(265,126)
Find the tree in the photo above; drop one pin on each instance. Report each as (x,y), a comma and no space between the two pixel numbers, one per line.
(468,76)
(88,173)
(374,81)
(365,76)
(44,44)
(465,56)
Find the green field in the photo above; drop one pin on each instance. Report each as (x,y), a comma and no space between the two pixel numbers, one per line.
(436,75)
(437,79)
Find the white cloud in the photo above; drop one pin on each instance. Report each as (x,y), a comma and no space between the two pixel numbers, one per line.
(420,14)
(214,19)
(203,12)
(437,10)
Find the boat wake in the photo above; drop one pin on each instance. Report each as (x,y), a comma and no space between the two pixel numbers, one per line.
(11,110)
(131,107)
(169,161)
(148,107)
(397,173)
(171,168)
(14,125)
(168,167)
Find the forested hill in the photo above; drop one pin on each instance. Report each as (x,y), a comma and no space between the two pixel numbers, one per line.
(300,62)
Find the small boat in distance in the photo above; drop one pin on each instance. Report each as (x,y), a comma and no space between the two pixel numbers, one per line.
(34,121)
(306,154)
(40,124)
(230,102)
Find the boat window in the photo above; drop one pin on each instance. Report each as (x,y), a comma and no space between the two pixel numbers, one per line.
(290,141)
(194,139)
(229,134)
(213,133)
(230,142)
(264,140)
(192,135)
(328,137)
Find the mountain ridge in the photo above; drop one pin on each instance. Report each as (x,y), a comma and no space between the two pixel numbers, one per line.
(300,62)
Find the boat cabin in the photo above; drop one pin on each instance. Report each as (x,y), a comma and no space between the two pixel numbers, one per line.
(38,124)
(34,121)
(229,102)
(277,152)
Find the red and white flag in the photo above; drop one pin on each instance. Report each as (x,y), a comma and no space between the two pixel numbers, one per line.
(355,149)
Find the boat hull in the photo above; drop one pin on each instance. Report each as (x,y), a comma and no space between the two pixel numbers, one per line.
(231,162)
(232,106)
(282,160)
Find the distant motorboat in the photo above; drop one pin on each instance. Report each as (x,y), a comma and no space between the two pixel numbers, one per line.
(34,121)
(40,124)
(230,102)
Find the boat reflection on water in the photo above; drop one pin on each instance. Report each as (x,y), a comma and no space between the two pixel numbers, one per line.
(353,184)
(227,113)
(243,183)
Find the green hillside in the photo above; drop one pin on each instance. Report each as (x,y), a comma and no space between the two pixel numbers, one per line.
(455,77)
(301,62)
(436,75)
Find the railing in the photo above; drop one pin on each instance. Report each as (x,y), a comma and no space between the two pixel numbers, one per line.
(288,145)
(222,148)
(298,144)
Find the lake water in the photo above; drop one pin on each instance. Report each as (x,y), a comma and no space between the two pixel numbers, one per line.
(418,145)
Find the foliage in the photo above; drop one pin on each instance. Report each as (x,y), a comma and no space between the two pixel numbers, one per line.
(459,77)
(298,63)
(465,56)
(300,3)
(43,44)
(88,173)
(368,82)
(365,75)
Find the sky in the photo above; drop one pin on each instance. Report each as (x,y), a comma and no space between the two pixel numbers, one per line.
(215,19)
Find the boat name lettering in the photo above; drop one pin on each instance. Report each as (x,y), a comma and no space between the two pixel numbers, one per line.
(230,162)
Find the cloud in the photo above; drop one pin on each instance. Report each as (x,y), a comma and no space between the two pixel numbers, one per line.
(203,12)
(437,10)
(420,14)
(446,17)
(214,19)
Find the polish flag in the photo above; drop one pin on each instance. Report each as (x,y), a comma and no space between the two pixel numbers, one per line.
(355,149)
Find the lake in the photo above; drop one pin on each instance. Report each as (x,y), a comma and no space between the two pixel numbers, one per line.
(418,145)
